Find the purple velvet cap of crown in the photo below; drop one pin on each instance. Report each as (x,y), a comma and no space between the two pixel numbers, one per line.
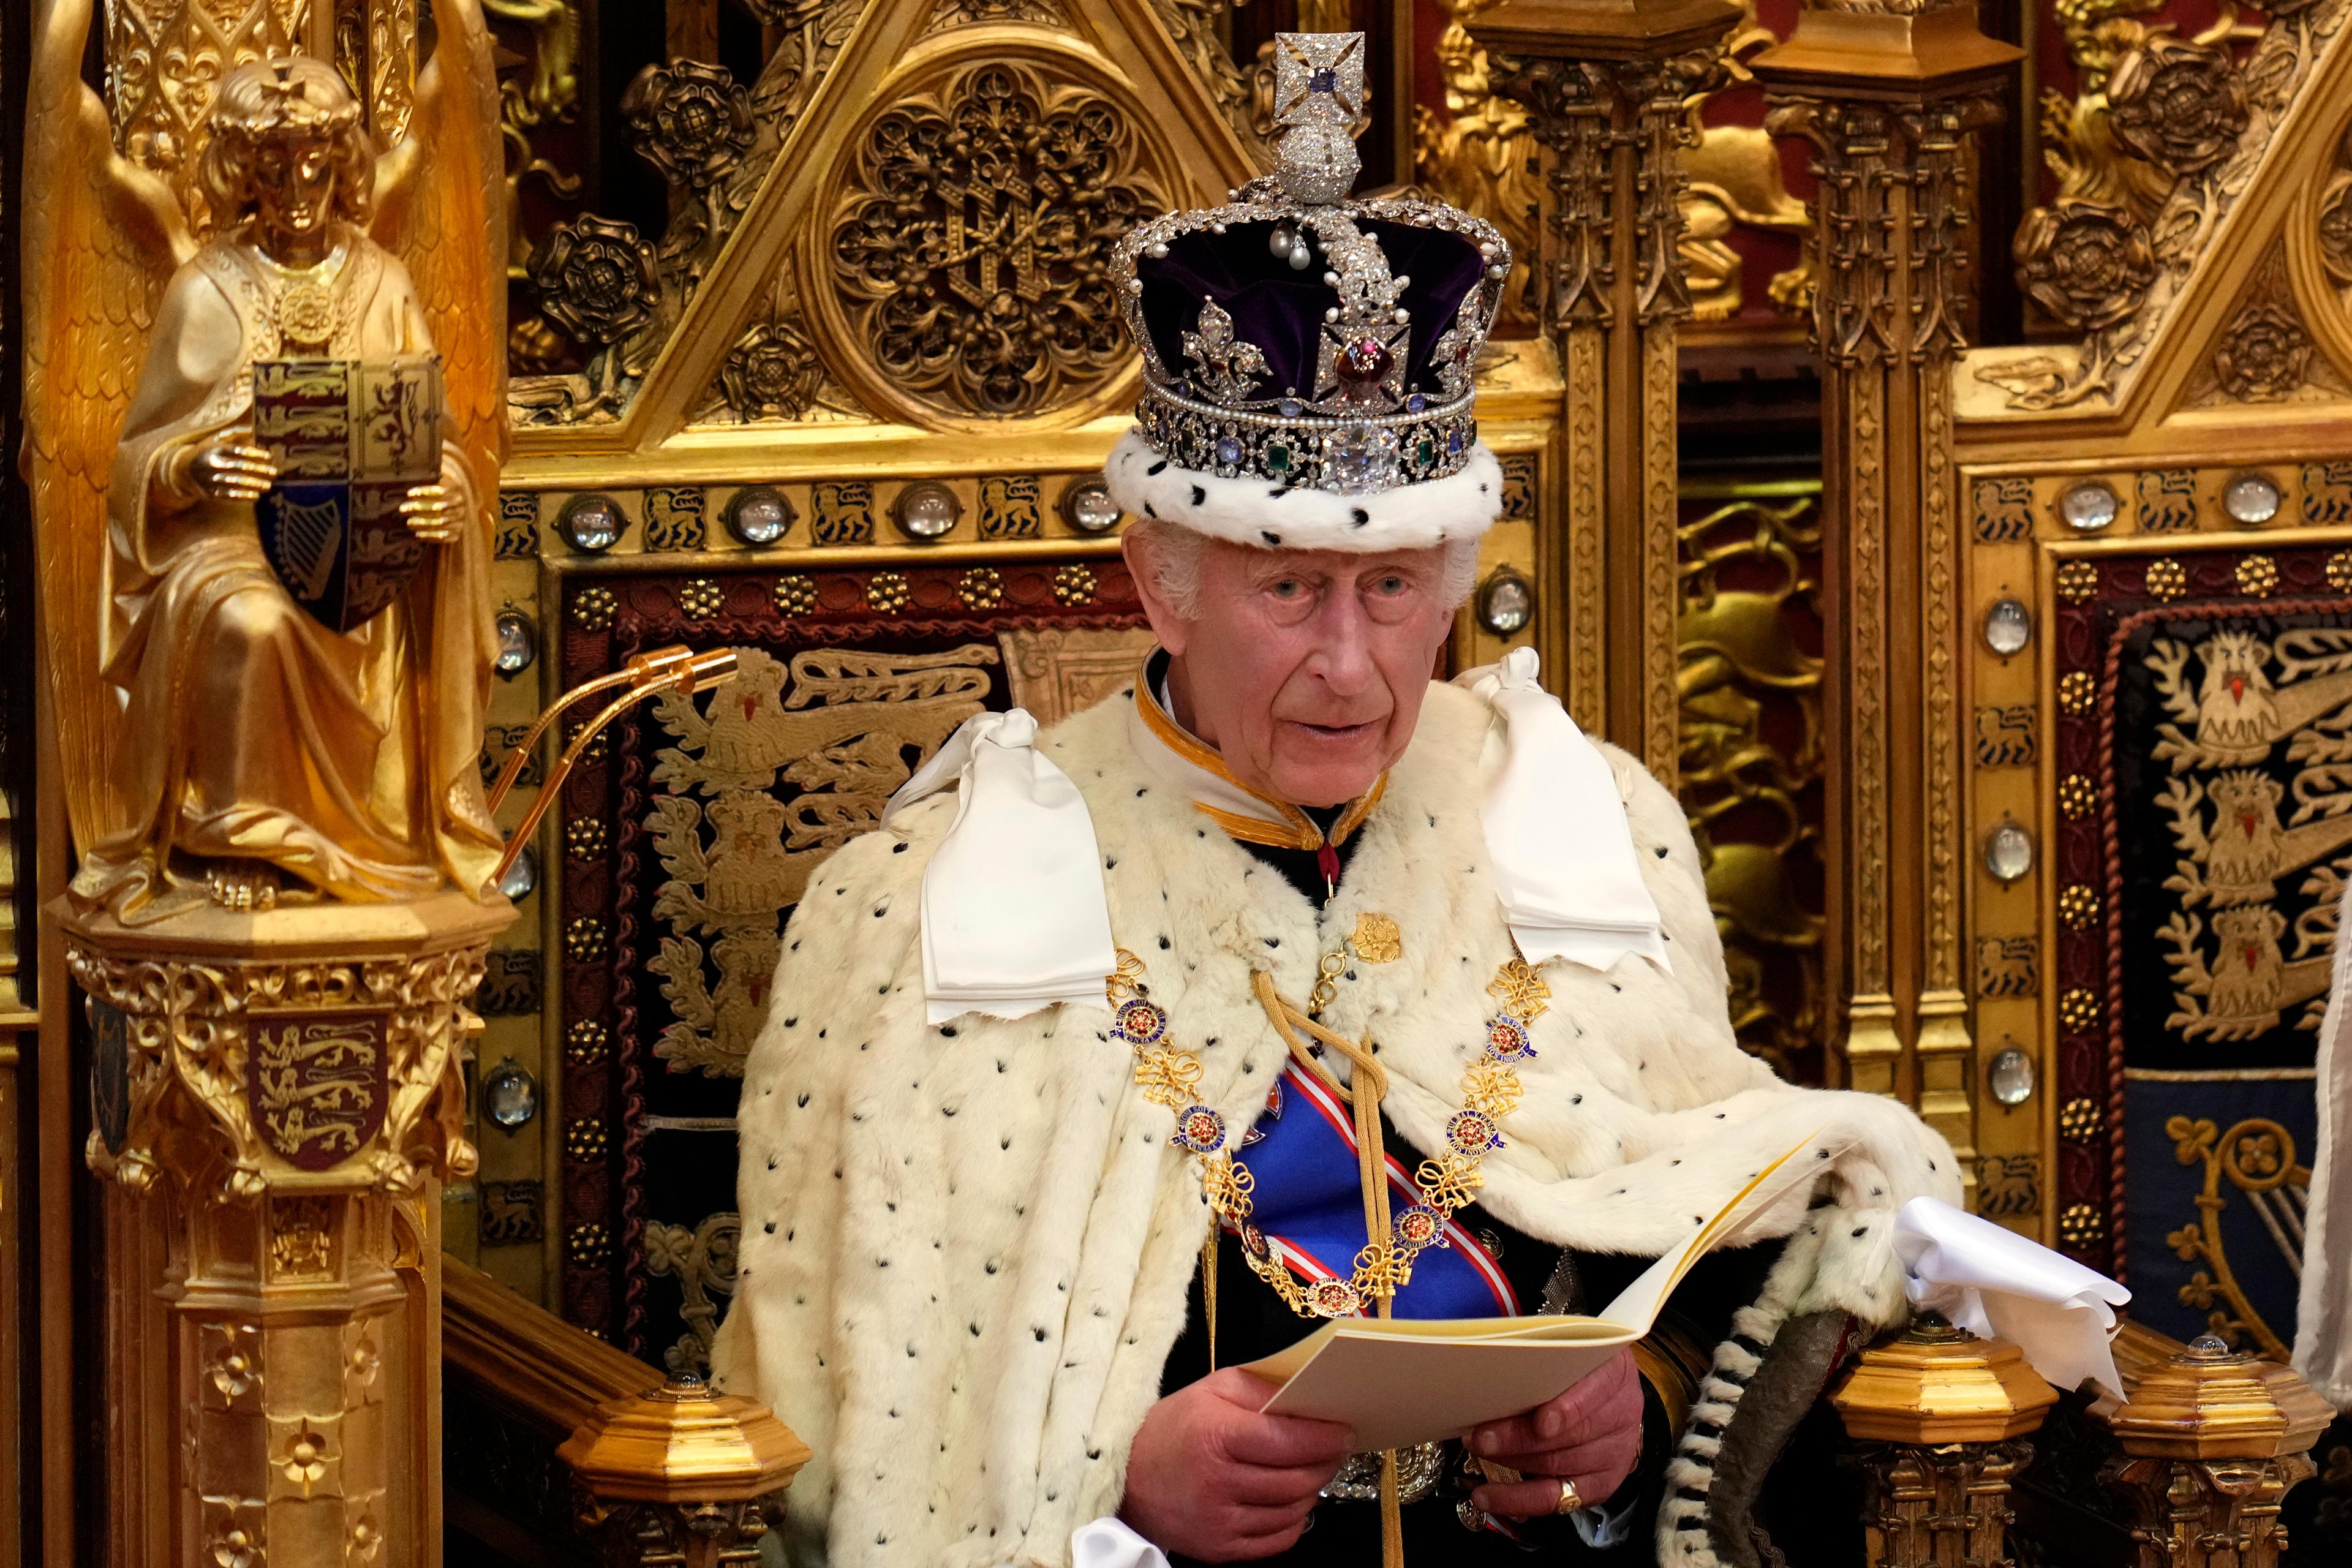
(1280,309)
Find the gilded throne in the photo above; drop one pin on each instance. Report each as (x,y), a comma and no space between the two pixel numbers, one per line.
(2003,684)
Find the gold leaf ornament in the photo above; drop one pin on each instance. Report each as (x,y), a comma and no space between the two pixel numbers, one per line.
(1376,939)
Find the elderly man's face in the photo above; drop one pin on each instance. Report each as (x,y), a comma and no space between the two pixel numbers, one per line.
(1304,668)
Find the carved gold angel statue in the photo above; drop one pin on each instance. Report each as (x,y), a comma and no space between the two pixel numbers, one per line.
(221,735)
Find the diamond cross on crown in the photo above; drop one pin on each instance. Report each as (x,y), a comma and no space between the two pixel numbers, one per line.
(1318,77)
(1319,101)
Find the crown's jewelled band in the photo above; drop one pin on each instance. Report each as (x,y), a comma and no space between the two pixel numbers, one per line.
(1344,455)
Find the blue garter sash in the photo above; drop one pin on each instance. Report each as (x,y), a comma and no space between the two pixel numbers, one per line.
(1306,1201)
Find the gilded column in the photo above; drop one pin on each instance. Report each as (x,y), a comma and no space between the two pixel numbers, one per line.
(1888,96)
(2212,1440)
(288,876)
(1605,85)
(1938,1420)
(275,1098)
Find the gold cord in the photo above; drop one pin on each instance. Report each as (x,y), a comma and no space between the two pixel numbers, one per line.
(1369,1083)
(1209,1288)
(1170,1075)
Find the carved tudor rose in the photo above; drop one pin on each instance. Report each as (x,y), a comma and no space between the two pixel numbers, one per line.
(2178,104)
(596,279)
(2264,355)
(771,373)
(693,121)
(2086,264)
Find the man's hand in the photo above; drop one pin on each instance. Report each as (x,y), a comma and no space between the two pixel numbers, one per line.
(1590,1437)
(231,468)
(1210,1477)
(432,512)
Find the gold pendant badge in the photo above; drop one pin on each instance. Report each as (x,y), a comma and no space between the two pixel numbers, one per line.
(1377,939)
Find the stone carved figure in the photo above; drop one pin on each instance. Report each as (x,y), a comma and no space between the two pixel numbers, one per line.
(221,740)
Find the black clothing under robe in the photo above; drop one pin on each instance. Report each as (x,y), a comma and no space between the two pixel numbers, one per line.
(1255,1322)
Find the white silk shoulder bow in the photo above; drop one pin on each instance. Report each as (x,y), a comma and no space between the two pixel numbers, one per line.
(1014,918)
(1556,830)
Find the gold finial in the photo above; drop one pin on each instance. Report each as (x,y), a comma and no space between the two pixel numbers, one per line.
(2210,1402)
(683,1443)
(1936,1383)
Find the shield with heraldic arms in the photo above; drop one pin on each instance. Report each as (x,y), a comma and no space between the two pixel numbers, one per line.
(318,1084)
(350,438)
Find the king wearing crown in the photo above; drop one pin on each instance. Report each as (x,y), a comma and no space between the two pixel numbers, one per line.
(1285,985)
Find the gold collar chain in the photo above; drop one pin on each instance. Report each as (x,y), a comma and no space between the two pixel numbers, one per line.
(1171,1076)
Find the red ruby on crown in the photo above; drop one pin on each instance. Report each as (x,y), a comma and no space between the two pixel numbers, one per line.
(1363,362)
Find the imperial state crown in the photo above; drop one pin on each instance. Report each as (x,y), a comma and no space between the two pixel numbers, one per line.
(1308,358)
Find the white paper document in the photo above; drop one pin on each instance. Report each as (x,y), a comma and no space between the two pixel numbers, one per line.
(1402,1381)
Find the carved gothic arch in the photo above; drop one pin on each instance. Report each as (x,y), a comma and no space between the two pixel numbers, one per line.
(1119,54)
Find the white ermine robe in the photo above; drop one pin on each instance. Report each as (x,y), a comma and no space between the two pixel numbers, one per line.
(966,1248)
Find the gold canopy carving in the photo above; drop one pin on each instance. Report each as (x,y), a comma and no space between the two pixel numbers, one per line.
(782,327)
(966,234)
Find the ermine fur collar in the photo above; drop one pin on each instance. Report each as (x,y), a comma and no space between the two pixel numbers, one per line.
(966,1248)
